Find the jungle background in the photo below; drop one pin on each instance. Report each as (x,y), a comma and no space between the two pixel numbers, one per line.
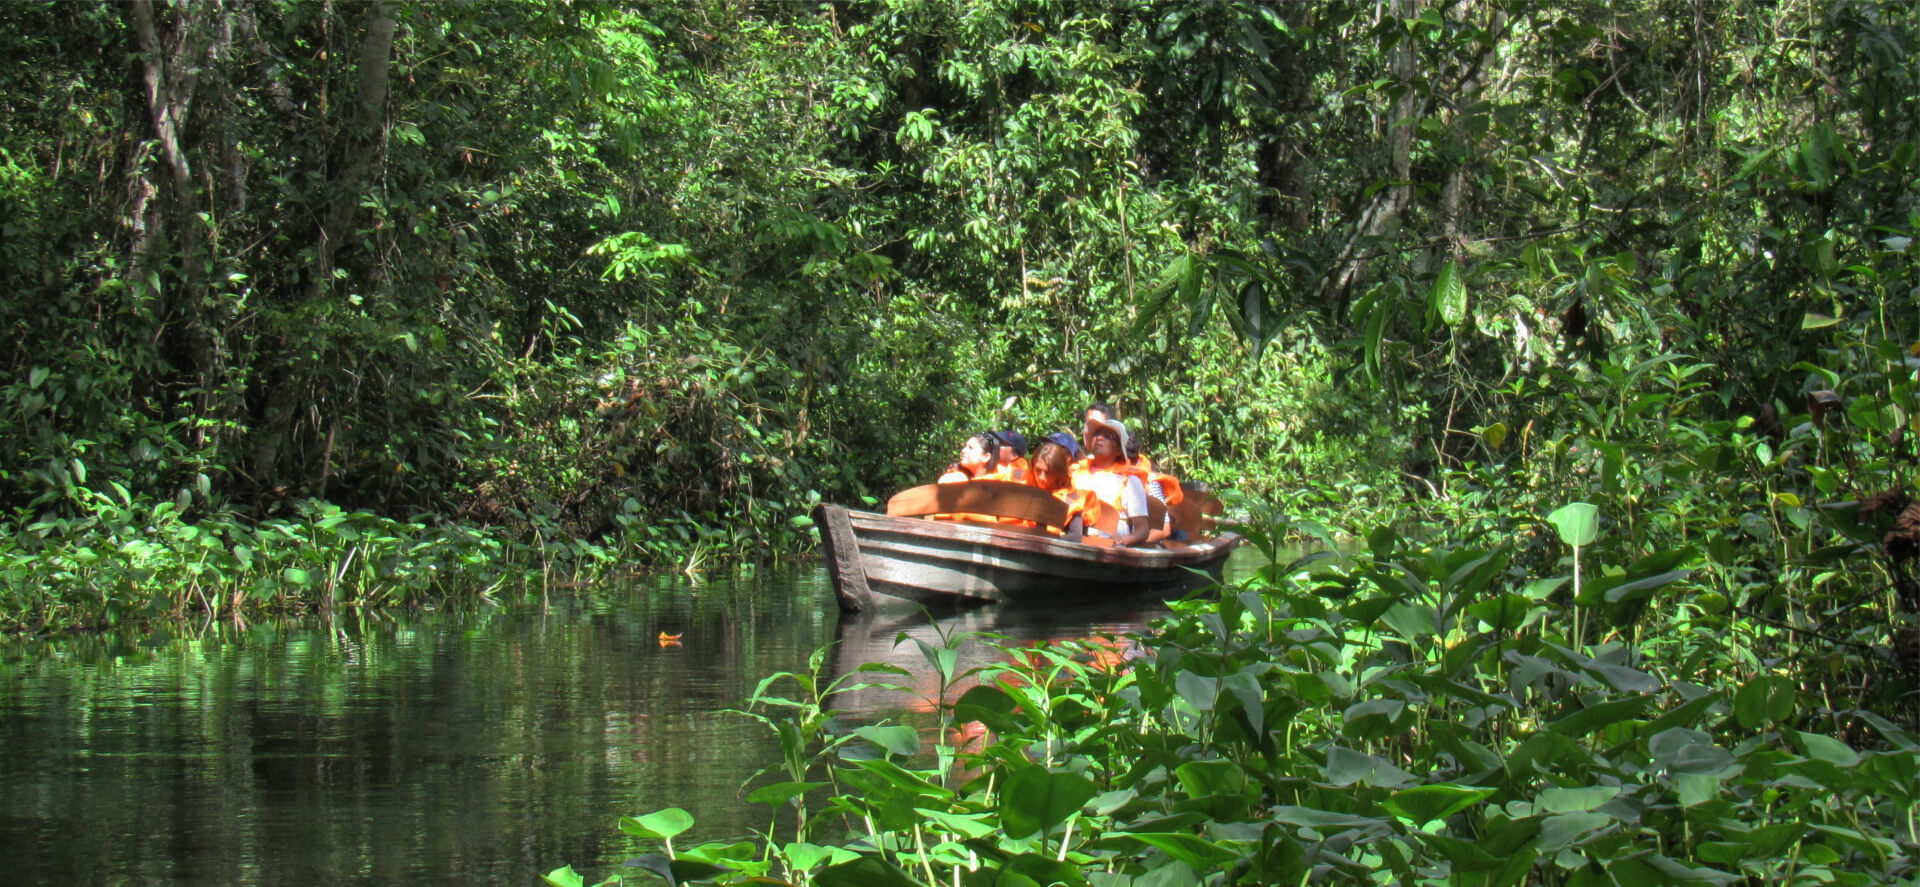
(314,303)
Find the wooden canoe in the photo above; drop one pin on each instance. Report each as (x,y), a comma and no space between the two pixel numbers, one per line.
(957,563)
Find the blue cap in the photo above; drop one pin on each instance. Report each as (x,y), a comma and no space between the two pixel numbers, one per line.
(1066,440)
(1014,439)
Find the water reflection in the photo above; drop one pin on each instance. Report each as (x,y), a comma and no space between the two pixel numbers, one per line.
(484,747)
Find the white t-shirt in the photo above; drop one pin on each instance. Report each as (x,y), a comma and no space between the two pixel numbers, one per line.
(1132,496)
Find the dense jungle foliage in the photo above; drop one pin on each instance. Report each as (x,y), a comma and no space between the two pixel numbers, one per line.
(1607,310)
(344,304)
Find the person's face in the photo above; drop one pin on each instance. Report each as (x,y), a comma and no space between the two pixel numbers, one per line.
(1104,442)
(1092,421)
(972,454)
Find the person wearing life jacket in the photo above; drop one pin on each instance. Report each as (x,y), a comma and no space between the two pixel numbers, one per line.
(977,460)
(1113,480)
(1052,472)
(1011,460)
(1070,443)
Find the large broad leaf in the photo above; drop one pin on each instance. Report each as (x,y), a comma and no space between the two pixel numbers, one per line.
(662,824)
(989,705)
(1348,767)
(1423,804)
(1763,699)
(1036,799)
(1828,749)
(895,740)
(1578,523)
(801,856)
(1507,612)
(1587,720)
(1569,829)
(1199,691)
(1373,718)
(863,872)
(1195,851)
(1448,299)
(1583,799)
(1202,778)
(677,871)
(781,792)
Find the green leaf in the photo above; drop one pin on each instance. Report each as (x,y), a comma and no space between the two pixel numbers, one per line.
(1036,799)
(1578,523)
(1426,803)
(661,824)
(677,871)
(1567,829)
(1448,299)
(1828,749)
(1199,691)
(1494,435)
(987,704)
(1348,767)
(801,856)
(781,792)
(978,825)
(1587,720)
(1504,613)
(1202,778)
(863,872)
(1574,800)
(564,876)
(1195,851)
(899,740)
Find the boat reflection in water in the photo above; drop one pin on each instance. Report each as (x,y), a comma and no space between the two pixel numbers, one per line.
(981,638)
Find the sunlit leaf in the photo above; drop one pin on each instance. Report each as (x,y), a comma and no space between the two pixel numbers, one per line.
(1425,803)
(661,824)
(1578,523)
(1036,799)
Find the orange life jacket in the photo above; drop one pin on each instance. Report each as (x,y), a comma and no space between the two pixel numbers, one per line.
(1081,504)
(1012,472)
(1169,486)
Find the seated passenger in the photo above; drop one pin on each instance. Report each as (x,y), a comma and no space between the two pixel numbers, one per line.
(1011,463)
(1052,472)
(1113,480)
(1071,443)
(977,458)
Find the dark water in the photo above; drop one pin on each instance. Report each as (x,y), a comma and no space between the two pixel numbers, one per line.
(485,747)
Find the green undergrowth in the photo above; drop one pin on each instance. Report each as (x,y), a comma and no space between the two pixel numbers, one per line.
(131,561)
(1449,708)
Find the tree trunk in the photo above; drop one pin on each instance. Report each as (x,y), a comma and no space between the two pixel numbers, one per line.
(360,146)
(1378,218)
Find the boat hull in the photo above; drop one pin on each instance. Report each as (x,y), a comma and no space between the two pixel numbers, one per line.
(875,557)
